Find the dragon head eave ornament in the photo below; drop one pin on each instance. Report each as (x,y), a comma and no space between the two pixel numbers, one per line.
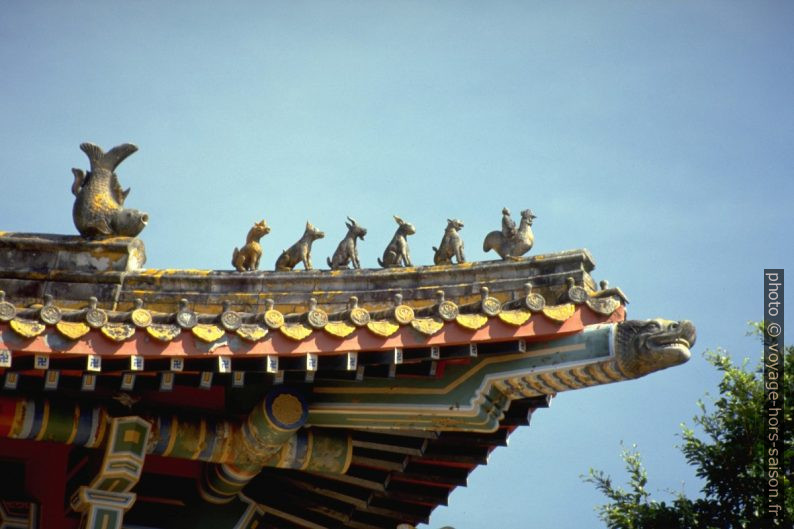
(645,346)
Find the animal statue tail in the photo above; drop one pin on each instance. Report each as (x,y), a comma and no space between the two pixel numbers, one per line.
(436,257)
(492,241)
(328,260)
(107,160)
(381,263)
(234,257)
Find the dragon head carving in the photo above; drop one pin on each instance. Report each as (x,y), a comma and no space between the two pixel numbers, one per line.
(646,346)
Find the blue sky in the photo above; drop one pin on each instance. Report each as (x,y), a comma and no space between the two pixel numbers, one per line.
(658,135)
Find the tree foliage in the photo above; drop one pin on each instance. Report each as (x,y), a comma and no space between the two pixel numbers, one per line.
(728,453)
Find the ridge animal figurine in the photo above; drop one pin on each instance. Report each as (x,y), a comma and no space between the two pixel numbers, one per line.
(247,258)
(98,209)
(300,252)
(397,251)
(511,247)
(451,244)
(347,252)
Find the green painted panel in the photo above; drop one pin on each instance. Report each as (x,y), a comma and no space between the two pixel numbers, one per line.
(60,423)
(463,398)
(103,518)
(130,437)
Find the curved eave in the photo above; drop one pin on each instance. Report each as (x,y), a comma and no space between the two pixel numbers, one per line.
(537,326)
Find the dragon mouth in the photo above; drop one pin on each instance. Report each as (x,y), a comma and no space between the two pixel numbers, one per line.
(675,343)
(679,348)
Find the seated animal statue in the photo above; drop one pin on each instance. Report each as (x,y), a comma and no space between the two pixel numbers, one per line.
(347,252)
(397,252)
(507,246)
(247,257)
(98,208)
(300,252)
(451,244)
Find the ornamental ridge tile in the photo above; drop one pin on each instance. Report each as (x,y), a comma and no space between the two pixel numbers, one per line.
(229,308)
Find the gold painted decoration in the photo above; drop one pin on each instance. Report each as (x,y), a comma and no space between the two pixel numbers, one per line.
(612,370)
(515,317)
(329,453)
(207,332)
(274,319)
(7,310)
(251,333)
(471,321)
(230,320)
(577,294)
(383,328)
(403,314)
(163,332)
(550,381)
(118,332)
(340,329)
(491,306)
(534,302)
(187,319)
(287,409)
(566,378)
(317,318)
(603,306)
(427,326)
(50,314)
(27,328)
(295,332)
(72,330)
(583,376)
(141,318)
(448,310)
(559,313)
(95,317)
(445,423)
(512,391)
(359,316)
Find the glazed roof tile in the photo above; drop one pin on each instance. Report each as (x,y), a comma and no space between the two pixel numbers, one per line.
(97,288)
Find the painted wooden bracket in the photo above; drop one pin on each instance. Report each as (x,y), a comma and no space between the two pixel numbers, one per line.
(104,502)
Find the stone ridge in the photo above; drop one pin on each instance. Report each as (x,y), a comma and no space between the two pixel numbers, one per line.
(62,328)
(72,270)
(43,253)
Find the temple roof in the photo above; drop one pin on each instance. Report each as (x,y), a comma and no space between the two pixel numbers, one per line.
(379,390)
(97,287)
